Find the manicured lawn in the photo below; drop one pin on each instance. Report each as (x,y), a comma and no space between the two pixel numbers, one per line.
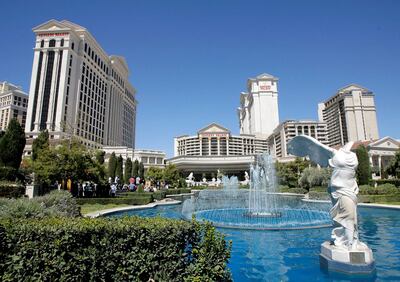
(88,208)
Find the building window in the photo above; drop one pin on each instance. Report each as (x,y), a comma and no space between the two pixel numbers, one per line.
(62,43)
(52,43)
(72,45)
(42,44)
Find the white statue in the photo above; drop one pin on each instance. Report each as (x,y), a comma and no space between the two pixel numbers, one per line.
(190,180)
(343,187)
(190,177)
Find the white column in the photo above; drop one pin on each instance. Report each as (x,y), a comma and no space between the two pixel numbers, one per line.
(218,146)
(380,165)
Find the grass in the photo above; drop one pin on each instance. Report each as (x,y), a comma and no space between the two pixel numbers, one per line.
(88,208)
(388,203)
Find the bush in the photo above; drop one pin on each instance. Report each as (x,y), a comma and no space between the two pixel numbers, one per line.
(159,195)
(395,182)
(123,249)
(297,191)
(318,195)
(8,173)
(313,176)
(55,204)
(118,201)
(283,188)
(319,189)
(384,189)
(177,191)
(379,198)
(11,190)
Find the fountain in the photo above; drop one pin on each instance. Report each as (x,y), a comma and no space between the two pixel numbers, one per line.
(259,207)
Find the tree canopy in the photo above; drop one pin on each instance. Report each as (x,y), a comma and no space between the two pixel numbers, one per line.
(394,167)
(12,145)
(128,170)
(290,172)
(112,165)
(40,143)
(364,167)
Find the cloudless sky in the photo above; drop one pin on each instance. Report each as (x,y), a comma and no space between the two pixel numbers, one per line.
(190,60)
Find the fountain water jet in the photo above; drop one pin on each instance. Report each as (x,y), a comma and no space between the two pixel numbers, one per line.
(259,207)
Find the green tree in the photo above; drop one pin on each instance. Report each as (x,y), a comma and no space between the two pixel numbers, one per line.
(314,176)
(364,167)
(12,145)
(118,169)
(100,156)
(128,170)
(393,168)
(41,142)
(154,174)
(289,173)
(141,170)
(135,168)
(171,175)
(112,165)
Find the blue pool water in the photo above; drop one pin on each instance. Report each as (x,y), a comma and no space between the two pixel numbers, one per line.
(292,255)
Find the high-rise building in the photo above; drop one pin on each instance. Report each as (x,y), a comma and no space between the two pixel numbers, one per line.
(289,129)
(258,112)
(78,90)
(350,115)
(13,104)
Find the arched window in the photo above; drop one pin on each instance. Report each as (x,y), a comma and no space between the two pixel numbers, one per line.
(42,44)
(62,43)
(52,43)
(72,46)
(85,47)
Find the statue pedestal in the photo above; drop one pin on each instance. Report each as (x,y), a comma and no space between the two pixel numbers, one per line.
(358,261)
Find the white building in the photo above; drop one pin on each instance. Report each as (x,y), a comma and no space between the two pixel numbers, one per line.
(291,128)
(258,112)
(350,115)
(149,158)
(77,89)
(13,104)
(215,148)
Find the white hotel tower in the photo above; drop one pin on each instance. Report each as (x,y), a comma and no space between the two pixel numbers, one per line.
(258,112)
(77,89)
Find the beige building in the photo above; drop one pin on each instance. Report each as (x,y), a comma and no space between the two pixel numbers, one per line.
(350,115)
(78,89)
(215,148)
(287,130)
(13,104)
(258,112)
(149,158)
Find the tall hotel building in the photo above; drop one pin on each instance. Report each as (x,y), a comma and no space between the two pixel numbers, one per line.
(258,112)
(13,104)
(77,89)
(350,115)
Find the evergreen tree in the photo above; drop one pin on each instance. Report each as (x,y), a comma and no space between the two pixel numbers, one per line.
(141,170)
(118,169)
(135,168)
(40,143)
(364,167)
(128,170)
(12,145)
(100,156)
(112,165)
(394,167)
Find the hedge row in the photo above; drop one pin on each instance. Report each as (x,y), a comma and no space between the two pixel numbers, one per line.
(125,249)
(11,190)
(384,189)
(379,198)
(395,182)
(117,200)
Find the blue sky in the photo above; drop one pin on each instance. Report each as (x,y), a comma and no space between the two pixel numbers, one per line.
(189,59)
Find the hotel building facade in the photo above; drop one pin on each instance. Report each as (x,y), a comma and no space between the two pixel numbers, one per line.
(13,104)
(78,90)
(215,148)
(350,115)
(278,140)
(258,112)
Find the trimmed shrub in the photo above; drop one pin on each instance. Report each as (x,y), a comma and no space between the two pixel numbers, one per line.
(124,249)
(11,190)
(319,189)
(119,201)
(384,189)
(159,195)
(318,195)
(395,182)
(379,198)
(297,191)
(177,191)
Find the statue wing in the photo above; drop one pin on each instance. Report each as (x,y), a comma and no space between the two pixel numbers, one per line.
(303,145)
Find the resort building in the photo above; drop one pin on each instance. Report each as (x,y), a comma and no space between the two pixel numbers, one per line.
(258,112)
(215,148)
(13,104)
(350,115)
(149,158)
(78,90)
(279,139)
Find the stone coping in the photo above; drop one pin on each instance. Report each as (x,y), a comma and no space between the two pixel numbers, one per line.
(148,206)
(372,205)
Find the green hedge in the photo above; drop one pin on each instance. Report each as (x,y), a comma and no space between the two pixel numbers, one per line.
(177,191)
(11,190)
(379,198)
(314,195)
(384,189)
(127,249)
(395,182)
(117,200)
